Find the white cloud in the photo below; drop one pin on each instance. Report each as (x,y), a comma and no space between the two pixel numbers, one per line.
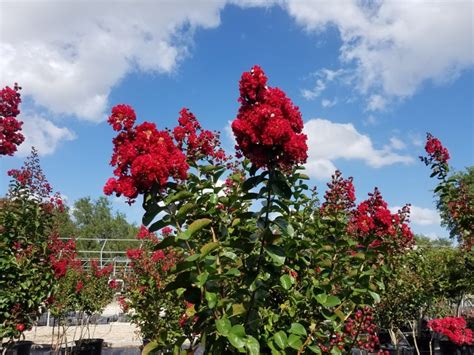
(318,88)
(323,77)
(68,55)
(397,143)
(42,134)
(376,103)
(329,141)
(416,139)
(421,216)
(395,46)
(326,103)
(371,120)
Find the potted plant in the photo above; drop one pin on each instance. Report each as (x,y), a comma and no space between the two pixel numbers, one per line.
(26,223)
(93,293)
(149,307)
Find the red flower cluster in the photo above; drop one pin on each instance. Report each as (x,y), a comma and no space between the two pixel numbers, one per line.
(144,233)
(373,223)
(10,136)
(199,143)
(268,127)
(340,196)
(63,255)
(454,328)
(435,149)
(143,156)
(101,271)
(122,118)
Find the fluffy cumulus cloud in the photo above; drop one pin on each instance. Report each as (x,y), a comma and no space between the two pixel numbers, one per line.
(68,55)
(421,216)
(42,134)
(324,142)
(394,46)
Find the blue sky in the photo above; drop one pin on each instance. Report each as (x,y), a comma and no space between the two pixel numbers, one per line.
(370,78)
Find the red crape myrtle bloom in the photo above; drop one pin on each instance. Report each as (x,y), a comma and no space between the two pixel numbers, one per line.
(198,143)
(10,136)
(340,195)
(143,156)
(373,225)
(268,128)
(454,328)
(435,149)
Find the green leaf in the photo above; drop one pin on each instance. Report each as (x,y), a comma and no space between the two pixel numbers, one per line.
(285,281)
(209,168)
(223,326)
(185,209)
(321,298)
(281,339)
(375,296)
(233,272)
(166,242)
(276,253)
(298,329)
(236,336)
(160,224)
(193,257)
(238,308)
(151,211)
(194,227)
(202,278)
(251,182)
(252,345)
(211,299)
(315,349)
(207,248)
(287,229)
(152,345)
(332,301)
(181,195)
(295,342)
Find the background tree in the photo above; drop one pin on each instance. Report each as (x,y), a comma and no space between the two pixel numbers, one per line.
(95,219)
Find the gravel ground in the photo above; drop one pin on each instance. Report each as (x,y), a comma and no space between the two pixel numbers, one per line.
(115,334)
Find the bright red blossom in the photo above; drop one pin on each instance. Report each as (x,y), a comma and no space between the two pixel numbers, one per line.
(268,127)
(123,117)
(143,156)
(144,233)
(435,149)
(374,224)
(198,143)
(455,328)
(10,127)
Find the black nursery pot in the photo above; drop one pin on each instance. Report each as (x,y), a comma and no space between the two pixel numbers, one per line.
(20,348)
(88,347)
(449,348)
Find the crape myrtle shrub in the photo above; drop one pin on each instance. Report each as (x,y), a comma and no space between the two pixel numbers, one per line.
(259,264)
(28,258)
(454,193)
